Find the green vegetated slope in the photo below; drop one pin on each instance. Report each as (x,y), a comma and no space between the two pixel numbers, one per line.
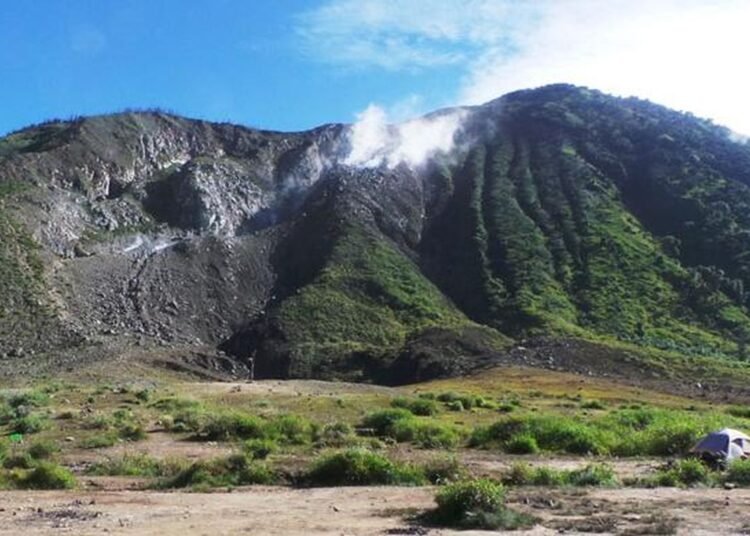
(543,223)
(586,214)
(366,305)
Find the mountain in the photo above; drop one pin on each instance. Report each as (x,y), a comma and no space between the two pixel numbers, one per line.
(556,214)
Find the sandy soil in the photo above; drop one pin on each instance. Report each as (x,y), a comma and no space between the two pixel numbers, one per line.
(364,511)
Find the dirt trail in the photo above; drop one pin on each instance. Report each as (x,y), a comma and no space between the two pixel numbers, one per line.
(286,387)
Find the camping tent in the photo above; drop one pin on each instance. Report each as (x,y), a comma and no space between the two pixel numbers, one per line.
(727,444)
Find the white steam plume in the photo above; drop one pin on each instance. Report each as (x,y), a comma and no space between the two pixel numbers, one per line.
(373,142)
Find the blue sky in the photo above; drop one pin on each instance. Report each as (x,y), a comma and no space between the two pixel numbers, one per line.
(243,61)
(294,64)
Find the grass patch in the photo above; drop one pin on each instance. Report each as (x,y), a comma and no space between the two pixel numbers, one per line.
(44,475)
(522,474)
(228,471)
(137,464)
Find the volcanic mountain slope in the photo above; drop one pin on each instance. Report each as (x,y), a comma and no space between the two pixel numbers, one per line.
(559,211)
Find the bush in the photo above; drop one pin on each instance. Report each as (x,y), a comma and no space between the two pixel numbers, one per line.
(45,475)
(339,434)
(550,433)
(428,435)
(43,449)
(738,472)
(592,475)
(18,460)
(418,406)
(522,474)
(455,405)
(99,441)
(593,404)
(144,395)
(231,425)
(229,471)
(137,464)
(32,399)
(290,429)
(476,504)
(29,424)
(131,431)
(444,469)
(670,439)
(382,422)
(360,467)
(259,449)
(523,443)
(467,401)
(687,472)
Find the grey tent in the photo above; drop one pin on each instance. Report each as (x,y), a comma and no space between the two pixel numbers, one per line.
(727,444)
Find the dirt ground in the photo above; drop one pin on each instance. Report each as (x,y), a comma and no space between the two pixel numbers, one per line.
(364,511)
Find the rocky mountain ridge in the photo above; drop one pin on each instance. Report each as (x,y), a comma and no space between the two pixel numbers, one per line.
(559,212)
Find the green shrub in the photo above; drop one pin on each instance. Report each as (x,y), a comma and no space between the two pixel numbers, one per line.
(467,401)
(29,424)
(425,434)
(593,404)
(34,399)
(361,467)
(672,439)
(174,404)
(45,475)
(231,425)
(521,474)
(99,441)
(552,433)
(131,431)
(43,449)
(444,469)
(418,406)
(290,429)
(144,395)
(382,422)
(18,460)
(455,405)
(448,396)
(738,472)
(523,443)
(592,475)
(475,504)
(259,449)
(337,435)
(229,471)
(137,464)
(687,472)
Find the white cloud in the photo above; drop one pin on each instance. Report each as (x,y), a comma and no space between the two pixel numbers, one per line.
(393,34)
(686,54)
